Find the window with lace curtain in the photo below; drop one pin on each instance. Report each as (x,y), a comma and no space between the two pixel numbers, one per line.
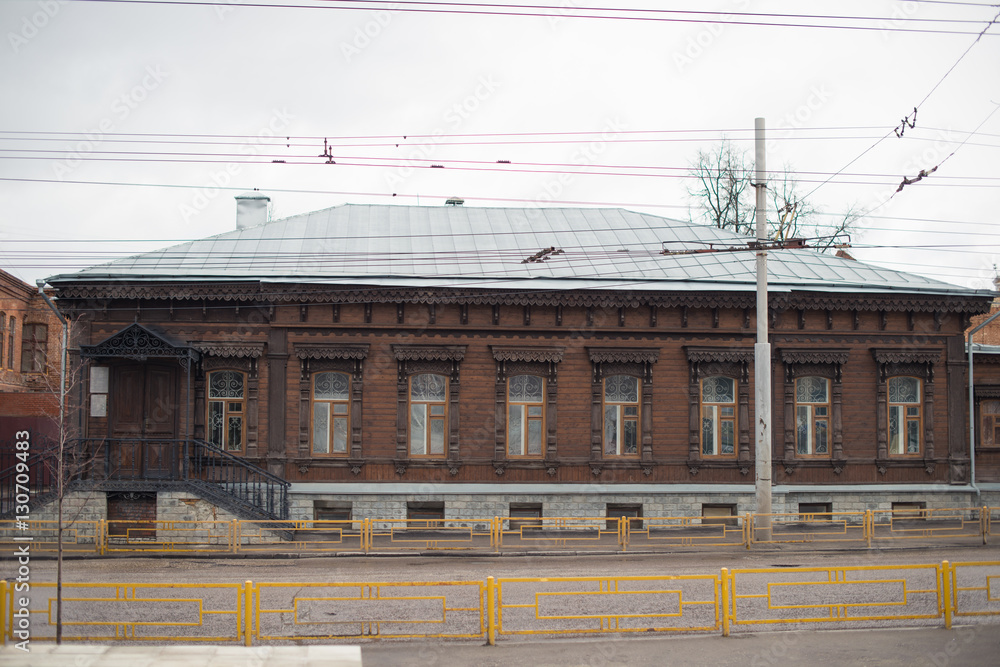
(525,416)
(428,414)
(718,416)
(812,416)
(331,413)
(226,423)
(621,415)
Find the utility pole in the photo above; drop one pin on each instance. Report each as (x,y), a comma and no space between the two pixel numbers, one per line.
(762,348)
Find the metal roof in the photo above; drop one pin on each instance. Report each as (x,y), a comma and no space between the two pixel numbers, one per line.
(459,246)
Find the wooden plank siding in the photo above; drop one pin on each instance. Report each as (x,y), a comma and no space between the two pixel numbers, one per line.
(294,327)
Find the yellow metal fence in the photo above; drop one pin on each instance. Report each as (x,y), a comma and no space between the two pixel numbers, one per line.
(855,596)
(969,525)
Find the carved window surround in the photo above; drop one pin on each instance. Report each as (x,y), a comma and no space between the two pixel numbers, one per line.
(346,358)
(821,363)
(216,356)
(438,359)
(637,362)
(912,362)
(984,392)
(520,360)
(732,362)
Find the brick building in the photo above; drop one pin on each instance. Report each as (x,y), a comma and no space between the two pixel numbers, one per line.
(394,361)
(29,361)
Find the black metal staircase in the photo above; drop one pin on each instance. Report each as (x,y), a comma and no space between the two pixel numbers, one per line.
(137,464)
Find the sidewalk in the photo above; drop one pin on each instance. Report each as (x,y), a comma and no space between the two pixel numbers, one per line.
(969,646)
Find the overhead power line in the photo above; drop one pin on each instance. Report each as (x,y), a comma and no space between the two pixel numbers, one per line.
(820,21)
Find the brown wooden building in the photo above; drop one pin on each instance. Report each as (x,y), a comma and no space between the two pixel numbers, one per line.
(393,361)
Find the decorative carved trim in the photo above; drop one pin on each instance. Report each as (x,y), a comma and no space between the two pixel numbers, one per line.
(595,470)
(532,354)
(647,470)
(221,349)
(693,470)
(635,355)
(499,467)
(551,471)
(332,351)
(453,470)
(266,293)
(429,352)
(987,391)
(719,354)
(814,356)
(905,356)
(745,470)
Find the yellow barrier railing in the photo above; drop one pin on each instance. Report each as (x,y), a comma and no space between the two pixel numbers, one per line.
(132,612)
(495,534)
(78,536)
(862,596)
(797,528)
(684,531)
(975,589)
(304,536)
(929,524)
(779,596)
(168,536)
(324,611)
(542,533)
(588,605)
(430,534)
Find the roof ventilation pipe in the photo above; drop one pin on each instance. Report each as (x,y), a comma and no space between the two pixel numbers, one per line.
(252,209)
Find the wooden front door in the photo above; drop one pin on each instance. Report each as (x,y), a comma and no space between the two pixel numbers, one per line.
(143,424)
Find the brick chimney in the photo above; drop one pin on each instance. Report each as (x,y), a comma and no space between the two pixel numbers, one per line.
(252,209)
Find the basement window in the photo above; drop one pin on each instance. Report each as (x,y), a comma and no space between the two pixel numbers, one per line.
(815,511)
(719,513)
(525,515)
(914,511)
(617,511)
(424,515)
(332,510)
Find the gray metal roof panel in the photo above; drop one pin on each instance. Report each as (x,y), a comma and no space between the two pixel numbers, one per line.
(457,245)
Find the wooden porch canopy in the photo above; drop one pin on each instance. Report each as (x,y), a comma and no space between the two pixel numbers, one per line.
(138,343)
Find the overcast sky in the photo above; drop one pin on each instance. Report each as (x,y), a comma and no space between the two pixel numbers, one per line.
(79,77)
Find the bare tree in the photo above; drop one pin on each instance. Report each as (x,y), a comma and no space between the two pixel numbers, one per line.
(724,197)
(723,190)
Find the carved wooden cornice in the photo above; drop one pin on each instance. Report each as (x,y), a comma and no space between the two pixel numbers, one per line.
(719,354)
(905,356)
(265,293)
(429,352)
(534,354)
(623,355)
(814,356)
(332,351)
(222,349)
(987,391)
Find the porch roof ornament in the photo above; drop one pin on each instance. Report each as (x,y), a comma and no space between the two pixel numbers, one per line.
(138,343)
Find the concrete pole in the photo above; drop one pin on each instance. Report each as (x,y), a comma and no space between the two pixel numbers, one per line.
(762,349)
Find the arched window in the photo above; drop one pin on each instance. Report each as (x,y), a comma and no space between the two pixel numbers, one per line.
(621,415)
(718,416)
(331,418)
(905,418)
(525,415)
(226,425)
(812,416)
(428,414)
